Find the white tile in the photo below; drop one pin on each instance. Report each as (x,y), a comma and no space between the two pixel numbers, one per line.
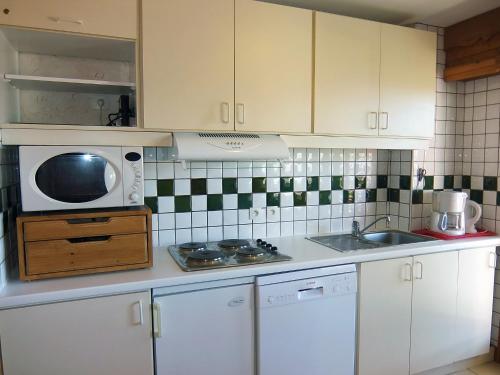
(182,187)
(286,229)
(273,230)
(349,155)
(348,210)
(286,199)
(150,171)
(325,154)
(150,188)
(312,212)
(149,154)
(199,219)
(493,97)
(182,235)
(273,184)
(287,169)
(245,231)
(325,183)
(299,184)
(337,168)
(360,154)
(199,202)
(166,204)
(198,173)
(299,227)
(325,211)
(230,217)
(214,173)
(166,237)
(312,198)
(199,234)
(312,169)
(259,172)
(273,172)
(324,226)
(336,210)
(244,216)
(312,226)
(214,218)
(286,214)
(230,201)
(299,154)
(337,154)
(163,153)
(226,172)
(337,197)
(336,226)
(181,172)
(299,169)
(166,221)
(230,231)
(244,185)
(312,154)
(214,186)
(299,213)
(183,220)
(259,230)
(215,233)
(259,200)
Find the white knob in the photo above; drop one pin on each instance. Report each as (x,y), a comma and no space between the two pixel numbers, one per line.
(134,197)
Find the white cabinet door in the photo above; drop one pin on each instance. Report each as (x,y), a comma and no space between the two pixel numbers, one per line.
(385,293)
(273,67)
(475,299)
(407,82)
(98,336)
(347,72)
(188,64)
(208,332)
(433,311)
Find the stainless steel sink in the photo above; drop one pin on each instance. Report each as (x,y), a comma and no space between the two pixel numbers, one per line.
(347,242)
(395,237)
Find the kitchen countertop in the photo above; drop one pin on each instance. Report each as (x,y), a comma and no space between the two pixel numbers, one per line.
(165,272)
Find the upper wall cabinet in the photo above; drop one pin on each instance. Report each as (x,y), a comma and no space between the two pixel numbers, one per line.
(188,64)
(112,18)
(273,62)
(198,54)
(407,82)
(373,79)
(346,75)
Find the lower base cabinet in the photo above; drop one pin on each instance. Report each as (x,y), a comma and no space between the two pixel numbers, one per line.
(423,312)
(98,336)
(208,331)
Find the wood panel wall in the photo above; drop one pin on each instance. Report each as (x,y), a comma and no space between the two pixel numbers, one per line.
(473,47)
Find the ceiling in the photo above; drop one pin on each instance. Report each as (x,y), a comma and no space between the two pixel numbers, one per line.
(401,12)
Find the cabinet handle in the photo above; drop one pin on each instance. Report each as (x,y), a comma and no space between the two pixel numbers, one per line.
(372,120)
(224,112)
(156,320)
(407,272)
(383,120)
(240,109)
(492,262)
(66,20)
(138,314)
(421,271)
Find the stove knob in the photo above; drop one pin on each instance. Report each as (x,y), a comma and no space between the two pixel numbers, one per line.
(268,246)
(274,250)
(263,243)
(259,241)
(134,197)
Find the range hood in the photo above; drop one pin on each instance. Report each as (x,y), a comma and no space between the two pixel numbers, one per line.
(229,146)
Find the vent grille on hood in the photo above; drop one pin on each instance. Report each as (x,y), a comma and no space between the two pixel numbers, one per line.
(227,135)
(229,146)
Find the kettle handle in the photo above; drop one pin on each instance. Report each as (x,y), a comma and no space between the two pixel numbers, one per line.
(443,221)
(477,211)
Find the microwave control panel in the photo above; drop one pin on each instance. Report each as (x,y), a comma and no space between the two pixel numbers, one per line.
(133,182)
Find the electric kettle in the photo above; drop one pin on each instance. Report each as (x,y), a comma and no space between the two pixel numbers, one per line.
(472,215)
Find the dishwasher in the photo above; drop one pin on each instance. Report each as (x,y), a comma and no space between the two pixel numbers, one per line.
(306,322)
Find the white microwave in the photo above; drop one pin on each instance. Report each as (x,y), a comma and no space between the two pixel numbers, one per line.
(80,177)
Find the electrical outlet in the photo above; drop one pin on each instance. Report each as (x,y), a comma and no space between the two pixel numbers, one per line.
(273,213)
(256,213)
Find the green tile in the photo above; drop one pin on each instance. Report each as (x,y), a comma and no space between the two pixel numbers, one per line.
(165,187)
(299,198)
(245,201)
(313,183)
(182,203)
(465,182)
(259,184)
(152,202)
(337,182)
(371,195)
(199,186)
(286,184)
(325,197)
(273,199)
(429,183)
(448,182)
(360,182)
(417,197)
(476,196)
(490,183)
(382,181)
(405,182)
(348,196)
(229,185)
(393,195)
(214,202)
(498,198)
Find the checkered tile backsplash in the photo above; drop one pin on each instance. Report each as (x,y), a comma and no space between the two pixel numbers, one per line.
(316,191)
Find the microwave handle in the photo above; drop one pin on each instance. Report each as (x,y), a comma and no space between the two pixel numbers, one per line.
(109,177)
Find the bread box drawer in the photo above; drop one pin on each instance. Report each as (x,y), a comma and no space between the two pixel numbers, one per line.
(91,253)
(83,227)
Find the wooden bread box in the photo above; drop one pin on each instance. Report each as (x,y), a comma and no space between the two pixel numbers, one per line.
(77,243)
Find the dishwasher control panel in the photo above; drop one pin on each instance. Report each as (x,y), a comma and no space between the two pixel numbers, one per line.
(306,289)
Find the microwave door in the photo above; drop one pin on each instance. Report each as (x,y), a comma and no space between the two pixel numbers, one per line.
(109,177)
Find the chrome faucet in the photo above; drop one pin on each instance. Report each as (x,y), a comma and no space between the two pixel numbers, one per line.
(356,232)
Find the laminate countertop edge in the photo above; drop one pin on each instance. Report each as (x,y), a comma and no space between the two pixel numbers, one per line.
(165,272)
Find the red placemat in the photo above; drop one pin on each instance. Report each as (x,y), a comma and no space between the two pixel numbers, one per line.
(442,236)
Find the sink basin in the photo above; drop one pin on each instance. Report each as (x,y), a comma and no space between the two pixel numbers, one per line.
(395,237)
(371,240)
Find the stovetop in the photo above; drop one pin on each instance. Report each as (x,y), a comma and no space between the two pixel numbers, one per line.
(195,256)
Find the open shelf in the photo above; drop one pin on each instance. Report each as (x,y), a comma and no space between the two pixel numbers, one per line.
(26,82)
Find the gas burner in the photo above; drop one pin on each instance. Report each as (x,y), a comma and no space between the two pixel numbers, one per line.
(250,253)
(233,244)
(204,258)
(189,247)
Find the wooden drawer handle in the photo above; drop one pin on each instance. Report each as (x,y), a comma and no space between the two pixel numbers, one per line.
(89,239)
(89,220)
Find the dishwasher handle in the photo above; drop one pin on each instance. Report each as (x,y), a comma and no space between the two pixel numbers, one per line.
(309,293)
